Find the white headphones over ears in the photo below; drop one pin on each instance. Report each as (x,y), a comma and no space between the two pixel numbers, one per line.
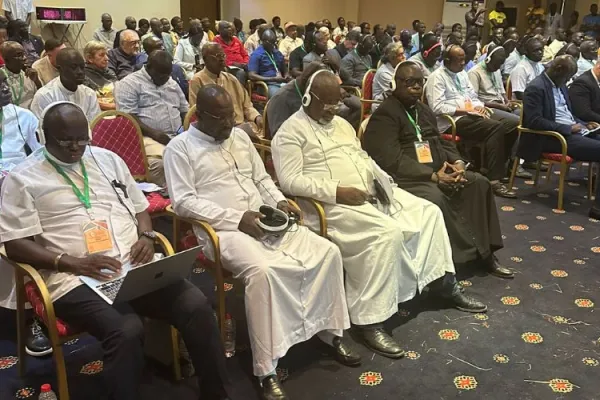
(42,135)
(488,59)
(307,98)
(393,82)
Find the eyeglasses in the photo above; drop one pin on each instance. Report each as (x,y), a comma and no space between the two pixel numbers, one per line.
(327,107)
(220,119)
(132,42)
(68,143)
(411,82)
(220,56)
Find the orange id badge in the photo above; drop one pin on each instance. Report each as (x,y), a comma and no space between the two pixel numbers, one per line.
(468,104)
(97,236)
(423,152)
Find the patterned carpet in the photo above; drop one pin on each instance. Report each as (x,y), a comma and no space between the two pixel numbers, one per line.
(539,340)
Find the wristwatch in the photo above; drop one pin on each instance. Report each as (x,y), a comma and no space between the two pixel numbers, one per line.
(148,234)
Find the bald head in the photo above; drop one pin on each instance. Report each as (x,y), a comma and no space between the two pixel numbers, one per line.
(152,44)
(106,21)
(454,59)
(130,22)
(66,122)
(214,58)
(159,67)
(308,71)
(561,69)
(325,97)
(214,111)
(589,50)
(269,40)
(156,26)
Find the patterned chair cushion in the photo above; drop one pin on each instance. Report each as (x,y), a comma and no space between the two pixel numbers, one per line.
(157,203)
(367,92)
(448,137)
(38,307)
(556,157)
(119,135)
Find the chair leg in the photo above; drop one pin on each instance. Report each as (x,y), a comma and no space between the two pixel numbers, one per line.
(590,185)
(21,325)
(221,303)
(561,183)
(175,233)
(513,172)
(175,349)
(537,173)
(61,371)
(549,172)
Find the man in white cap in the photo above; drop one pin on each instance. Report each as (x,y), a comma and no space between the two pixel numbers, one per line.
(291,40)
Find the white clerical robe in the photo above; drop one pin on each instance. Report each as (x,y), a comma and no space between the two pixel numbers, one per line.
(389,254)
(294,284)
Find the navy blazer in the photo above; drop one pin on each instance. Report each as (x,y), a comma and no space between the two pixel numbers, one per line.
(539,113)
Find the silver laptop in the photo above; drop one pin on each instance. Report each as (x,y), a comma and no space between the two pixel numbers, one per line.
(144,279)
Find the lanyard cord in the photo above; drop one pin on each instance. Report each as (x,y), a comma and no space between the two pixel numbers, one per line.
(273,61)
(361,60)
(16,99)
(297,88)
(84,197)
(415,123)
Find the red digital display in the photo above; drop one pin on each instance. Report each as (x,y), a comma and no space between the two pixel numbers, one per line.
(74,14)
(60,14)
(52,14)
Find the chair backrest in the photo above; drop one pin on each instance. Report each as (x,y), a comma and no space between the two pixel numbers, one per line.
(120,133)
(190,117)
(508,89)
(367,85)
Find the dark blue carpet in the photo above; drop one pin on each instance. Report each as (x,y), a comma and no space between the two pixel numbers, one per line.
(539,340)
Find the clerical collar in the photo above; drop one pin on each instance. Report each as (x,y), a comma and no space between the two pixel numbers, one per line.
(203,136)
(62,163)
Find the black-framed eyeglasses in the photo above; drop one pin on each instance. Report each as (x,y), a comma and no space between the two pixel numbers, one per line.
(68,143)
(220,56)
(220,119)
(412,82)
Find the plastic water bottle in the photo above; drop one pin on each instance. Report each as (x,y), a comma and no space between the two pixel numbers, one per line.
(229,336)
(46,393)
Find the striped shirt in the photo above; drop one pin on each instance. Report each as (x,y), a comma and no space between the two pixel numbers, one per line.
(159,107)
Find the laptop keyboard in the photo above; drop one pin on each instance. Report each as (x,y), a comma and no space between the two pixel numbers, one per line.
(110,289)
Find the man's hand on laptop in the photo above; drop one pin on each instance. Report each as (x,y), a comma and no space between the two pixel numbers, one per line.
(142,251)
(91,266)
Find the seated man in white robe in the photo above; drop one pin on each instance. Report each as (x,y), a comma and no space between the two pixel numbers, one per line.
(68,86)
(47,200)
(294,281)
(393,243)
(18,141)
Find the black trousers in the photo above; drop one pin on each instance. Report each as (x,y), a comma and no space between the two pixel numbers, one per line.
(581,148)
(496,135)
(120,330)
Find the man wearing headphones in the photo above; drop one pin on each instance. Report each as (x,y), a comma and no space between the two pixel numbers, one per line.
(513,55)
(428,58)
(588,58)
(294,280)
(399,127)
(357,62)
(62,215)
(449,92)
(393,243)
(487,83)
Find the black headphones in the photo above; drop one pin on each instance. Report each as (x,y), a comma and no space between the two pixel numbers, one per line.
(447,50)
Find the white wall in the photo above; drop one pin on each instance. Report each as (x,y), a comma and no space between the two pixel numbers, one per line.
(231,9)
(300,12)
(119,9)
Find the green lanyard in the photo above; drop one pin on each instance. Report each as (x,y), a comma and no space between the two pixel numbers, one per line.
(303,49)
(456,82)
(415,124)
(491,76)
(16,99)
(83,197)
(273,61)
(297,88)
(361,60)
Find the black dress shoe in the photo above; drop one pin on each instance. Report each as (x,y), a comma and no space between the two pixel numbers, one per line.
(533,165)
(377,340)
(594,212)
(468,304)
(345,354)
(497,269)
(37,344)
(272,389)
(502,190)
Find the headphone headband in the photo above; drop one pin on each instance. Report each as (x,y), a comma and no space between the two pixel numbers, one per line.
(429,50)
(393,82)
(47,110)
(488,59)
(307,98)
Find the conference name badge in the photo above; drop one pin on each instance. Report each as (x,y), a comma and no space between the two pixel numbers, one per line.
(423,152)
(97,236)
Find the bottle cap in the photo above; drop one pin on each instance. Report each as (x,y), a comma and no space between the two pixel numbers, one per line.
(46,387)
